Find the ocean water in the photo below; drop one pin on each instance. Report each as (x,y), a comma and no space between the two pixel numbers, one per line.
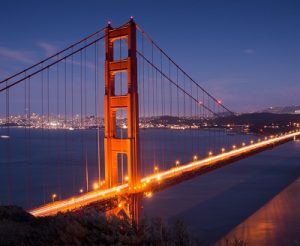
(36,163)
(255,199)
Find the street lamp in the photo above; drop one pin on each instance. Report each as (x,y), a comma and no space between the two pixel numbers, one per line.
(53,197)
(96,186)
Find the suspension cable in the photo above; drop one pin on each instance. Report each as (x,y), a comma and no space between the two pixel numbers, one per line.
(52,56)
(181,69)
(174,83)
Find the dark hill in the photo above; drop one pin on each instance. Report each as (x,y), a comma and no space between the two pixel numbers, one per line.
(260,119)
(87,227)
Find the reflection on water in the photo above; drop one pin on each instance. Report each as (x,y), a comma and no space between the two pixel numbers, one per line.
(212,205)
(276,223)
(65,162)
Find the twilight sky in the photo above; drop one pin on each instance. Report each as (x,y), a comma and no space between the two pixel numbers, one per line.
(246,53)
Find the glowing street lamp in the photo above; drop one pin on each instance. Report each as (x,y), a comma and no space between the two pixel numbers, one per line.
(156,168)
(81,191)
(149,194)
(53,197)
(177,163)
(210,153)
(223,150)
(195,158)
(234,146)
(126,178)
(243,144)
(96,186)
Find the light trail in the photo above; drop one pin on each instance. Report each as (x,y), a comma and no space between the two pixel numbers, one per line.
(98,195)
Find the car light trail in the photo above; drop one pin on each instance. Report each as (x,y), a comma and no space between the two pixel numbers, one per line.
(97,195)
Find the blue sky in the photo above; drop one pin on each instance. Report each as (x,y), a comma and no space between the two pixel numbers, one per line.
(246,53)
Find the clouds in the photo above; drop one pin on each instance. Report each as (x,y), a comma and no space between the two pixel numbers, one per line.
(27,57)
(249,51)
(48,48)
(22,56)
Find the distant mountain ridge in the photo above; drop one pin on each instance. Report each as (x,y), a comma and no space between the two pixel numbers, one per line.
(259,119)
(282,110)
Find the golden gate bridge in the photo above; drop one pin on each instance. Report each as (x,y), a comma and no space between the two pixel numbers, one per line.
(108,120)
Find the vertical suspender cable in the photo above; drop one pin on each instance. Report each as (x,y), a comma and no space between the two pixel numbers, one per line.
(72,119)
(65,118)
(30,158)
(85,119)
(48,119)
(43,135)
(96,115)
(8,160)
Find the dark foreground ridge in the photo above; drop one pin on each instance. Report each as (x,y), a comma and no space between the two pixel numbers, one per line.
(90,227)
(87,227)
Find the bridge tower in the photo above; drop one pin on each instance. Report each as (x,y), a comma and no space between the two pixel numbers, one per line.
(113,146)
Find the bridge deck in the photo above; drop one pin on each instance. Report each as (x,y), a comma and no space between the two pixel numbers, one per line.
(159,180)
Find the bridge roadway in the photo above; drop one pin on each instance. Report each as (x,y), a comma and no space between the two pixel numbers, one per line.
(155,181)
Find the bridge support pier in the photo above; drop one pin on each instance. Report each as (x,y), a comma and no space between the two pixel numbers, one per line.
(128,207)
(114,146)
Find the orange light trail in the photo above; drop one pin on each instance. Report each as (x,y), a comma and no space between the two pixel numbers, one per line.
(97,195)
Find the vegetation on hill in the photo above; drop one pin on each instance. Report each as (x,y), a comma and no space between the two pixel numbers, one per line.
(87,227)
